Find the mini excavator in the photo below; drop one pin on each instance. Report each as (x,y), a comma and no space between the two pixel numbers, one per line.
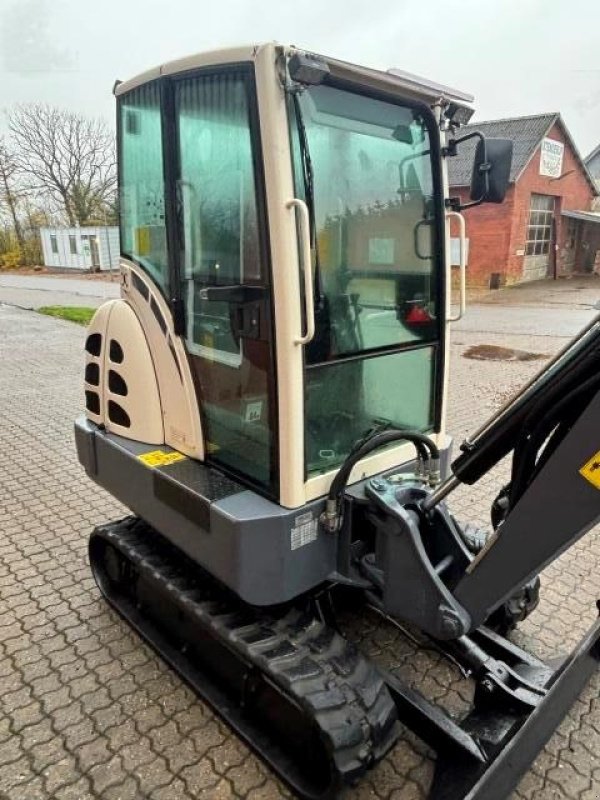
(268,399)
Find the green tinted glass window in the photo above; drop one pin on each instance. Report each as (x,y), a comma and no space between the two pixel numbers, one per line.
(224,273)
(142,191)
(373,360)
(375,271)
(346,400)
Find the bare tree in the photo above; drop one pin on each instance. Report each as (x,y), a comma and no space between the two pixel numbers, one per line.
(10,195)
(66,157)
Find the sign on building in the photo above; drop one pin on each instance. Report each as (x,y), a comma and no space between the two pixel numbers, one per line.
(551,158)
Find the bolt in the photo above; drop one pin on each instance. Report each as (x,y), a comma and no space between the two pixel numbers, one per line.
(487,685)
(379,486)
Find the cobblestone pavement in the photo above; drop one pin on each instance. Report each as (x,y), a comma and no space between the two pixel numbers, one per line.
(88,711)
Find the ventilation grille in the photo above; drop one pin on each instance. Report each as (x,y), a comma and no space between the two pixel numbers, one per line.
(115,352)
(140,285)
(116,384)
(118,415)
(92,402)
(93,344)
(92,373)
(143,290)
(159,317)
(93,347)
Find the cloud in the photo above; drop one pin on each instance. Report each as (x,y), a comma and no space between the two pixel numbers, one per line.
(26,44)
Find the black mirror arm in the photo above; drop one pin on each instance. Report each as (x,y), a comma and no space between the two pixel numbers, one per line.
(451,150)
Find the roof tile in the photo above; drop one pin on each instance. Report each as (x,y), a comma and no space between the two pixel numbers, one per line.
(526,133)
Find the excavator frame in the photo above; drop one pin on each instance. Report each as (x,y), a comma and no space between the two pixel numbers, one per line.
(252,523)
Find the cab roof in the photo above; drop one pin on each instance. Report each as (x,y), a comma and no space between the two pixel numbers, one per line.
(393,80)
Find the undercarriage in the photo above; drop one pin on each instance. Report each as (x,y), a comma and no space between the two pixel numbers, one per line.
(302,696)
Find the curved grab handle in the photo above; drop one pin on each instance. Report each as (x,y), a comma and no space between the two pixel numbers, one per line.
(463,264)
(309,303)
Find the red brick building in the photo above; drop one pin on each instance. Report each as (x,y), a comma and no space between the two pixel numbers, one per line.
(545,227)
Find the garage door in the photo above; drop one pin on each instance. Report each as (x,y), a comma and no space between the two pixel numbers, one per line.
(538,247)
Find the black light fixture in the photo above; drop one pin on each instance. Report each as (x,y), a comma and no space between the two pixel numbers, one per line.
(307,68)
(458,115)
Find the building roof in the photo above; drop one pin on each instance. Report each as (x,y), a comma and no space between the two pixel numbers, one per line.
(592,162)
(595,152)
(526,134)
(584,216)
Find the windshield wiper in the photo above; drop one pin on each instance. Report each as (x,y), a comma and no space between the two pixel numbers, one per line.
(309,191)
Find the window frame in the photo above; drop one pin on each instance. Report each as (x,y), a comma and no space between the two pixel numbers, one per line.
(438,246)
(119,131)
(539,234)
(54,244)
(222,356)
(172,169)
(73,244)
(170,147)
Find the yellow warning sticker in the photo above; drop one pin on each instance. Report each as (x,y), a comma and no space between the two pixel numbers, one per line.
(591,470)
(159,458)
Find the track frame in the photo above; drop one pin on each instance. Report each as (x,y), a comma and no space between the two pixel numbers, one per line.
(289,671)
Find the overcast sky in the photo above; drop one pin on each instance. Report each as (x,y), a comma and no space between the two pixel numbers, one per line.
(515,56)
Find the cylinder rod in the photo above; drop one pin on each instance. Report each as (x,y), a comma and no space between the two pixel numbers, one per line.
(442,491)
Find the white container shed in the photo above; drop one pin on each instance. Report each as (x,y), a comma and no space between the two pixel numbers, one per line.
(89,248)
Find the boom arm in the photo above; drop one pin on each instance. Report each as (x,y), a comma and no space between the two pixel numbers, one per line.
(422,572)
(558,506)
(552,499)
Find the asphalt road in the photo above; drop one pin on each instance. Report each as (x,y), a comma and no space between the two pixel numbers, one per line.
(34,291)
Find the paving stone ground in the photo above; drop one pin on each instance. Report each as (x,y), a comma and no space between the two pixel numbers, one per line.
(88,711)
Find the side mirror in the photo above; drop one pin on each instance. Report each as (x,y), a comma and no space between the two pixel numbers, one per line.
(491,170)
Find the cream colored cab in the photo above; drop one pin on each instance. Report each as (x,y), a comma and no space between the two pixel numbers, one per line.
(284,270)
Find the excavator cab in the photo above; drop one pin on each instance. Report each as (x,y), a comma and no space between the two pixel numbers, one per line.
(297,233)
(268,398)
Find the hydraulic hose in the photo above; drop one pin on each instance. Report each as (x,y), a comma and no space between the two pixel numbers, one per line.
(525,454)
(422,449)
(423,444)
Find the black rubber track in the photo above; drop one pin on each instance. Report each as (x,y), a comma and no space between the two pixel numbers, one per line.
(295,690)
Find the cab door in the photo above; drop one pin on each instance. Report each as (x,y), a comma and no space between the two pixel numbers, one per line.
(367,165)
(224,269)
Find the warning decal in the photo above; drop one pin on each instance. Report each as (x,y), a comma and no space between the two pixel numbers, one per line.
(305,530)
(159,458)
(591,470)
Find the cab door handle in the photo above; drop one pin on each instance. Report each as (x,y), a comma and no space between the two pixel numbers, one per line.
(303,218)
(463,264)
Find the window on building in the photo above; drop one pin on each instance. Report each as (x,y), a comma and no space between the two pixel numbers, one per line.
(539,229)
(53,243)
(73,245)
